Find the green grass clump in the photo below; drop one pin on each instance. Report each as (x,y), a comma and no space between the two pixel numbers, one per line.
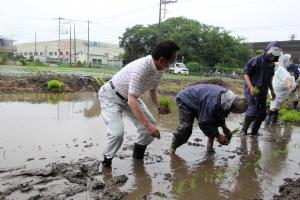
(164,105)
(55,86)
(100,80)
(256,90)
(289,115)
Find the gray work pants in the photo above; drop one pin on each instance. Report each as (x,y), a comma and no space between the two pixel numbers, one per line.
(112,109)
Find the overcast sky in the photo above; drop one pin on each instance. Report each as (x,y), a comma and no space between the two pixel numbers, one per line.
(255,20)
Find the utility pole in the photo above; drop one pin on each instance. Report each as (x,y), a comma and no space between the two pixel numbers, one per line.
(70,53)
(88,45)
(59,31)
(74,45)
(164,2)
(34,44)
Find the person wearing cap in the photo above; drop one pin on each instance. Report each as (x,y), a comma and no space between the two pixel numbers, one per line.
(258,73)
(294,69)
(210,105)
(121,95)
(284,86)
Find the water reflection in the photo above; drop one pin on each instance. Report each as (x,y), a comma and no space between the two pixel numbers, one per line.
(247,185)
(142,183)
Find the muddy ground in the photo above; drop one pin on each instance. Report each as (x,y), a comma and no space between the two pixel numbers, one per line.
(69,177)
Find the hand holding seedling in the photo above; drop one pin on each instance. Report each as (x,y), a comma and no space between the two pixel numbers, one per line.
(222,139)
(153,131)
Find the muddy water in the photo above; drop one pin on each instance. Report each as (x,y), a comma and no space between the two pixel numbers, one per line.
(38,130)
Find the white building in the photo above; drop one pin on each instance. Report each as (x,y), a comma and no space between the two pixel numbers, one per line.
(52,51)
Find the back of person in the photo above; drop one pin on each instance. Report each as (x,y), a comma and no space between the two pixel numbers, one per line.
(205,100)
(280,79)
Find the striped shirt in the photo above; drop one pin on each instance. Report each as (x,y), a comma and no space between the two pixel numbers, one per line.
(137,77)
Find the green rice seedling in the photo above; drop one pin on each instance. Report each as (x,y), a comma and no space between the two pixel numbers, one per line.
(235,131)
(289,115)
(256,90)
(221,174)
(193,182)
(180,187)
(55,86)
(268,102)
(208,178)
(164,105)
(256,164)
(100,80)
(235,170)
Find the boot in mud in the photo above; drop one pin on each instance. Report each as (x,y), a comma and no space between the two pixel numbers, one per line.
(268,117)
(246,124)
(274,118)
(295,104)
(255,127)
(139,151)
(106,162)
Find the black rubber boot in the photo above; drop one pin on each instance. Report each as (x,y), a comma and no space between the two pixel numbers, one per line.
(268,117)
(274,118)
(246,124)
(139,151)
(106,162)
(295,104)
(255,127)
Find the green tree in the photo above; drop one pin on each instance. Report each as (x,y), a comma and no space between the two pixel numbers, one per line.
(201,43)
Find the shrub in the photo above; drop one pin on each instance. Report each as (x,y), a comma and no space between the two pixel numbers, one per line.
(55,86)
(100,80)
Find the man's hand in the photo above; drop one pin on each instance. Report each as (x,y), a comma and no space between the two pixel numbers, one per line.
(153,131)
(222,139)
(251,90)
(227,133)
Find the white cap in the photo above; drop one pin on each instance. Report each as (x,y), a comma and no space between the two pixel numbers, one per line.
(275,51)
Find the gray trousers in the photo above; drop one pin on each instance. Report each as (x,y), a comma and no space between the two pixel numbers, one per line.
(112,110)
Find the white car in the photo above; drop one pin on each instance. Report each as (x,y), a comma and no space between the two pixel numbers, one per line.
(179,68)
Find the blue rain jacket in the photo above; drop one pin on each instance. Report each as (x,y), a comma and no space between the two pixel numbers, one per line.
(294,69)
(260,70)
(205,101)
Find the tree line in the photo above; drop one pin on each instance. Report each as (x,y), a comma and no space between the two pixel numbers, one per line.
(201,44)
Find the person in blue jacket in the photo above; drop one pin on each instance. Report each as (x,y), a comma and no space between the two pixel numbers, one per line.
(210,105)
(258,73)
(293,68)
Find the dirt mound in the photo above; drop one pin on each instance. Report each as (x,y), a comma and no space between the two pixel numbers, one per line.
(289,190)
(39,83)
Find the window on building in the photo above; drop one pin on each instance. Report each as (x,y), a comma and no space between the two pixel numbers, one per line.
(36,53)
(30,53)
(67,53)
(41,53)
(55,53)
(50,53)
(60,53)
(25,53)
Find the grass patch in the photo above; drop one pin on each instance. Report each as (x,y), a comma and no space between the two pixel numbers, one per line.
(100,80)
(289,115)
(55,86)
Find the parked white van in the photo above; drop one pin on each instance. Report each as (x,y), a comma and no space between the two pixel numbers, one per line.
(179,68)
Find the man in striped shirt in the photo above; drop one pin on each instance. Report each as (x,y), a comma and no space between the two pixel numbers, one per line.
(122,95)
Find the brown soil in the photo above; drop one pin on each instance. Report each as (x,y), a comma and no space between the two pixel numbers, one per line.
(289,190)
(38,83)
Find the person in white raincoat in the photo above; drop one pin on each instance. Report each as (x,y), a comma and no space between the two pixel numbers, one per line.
(284,86)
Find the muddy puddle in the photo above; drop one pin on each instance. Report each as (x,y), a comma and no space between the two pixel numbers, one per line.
(51,147)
